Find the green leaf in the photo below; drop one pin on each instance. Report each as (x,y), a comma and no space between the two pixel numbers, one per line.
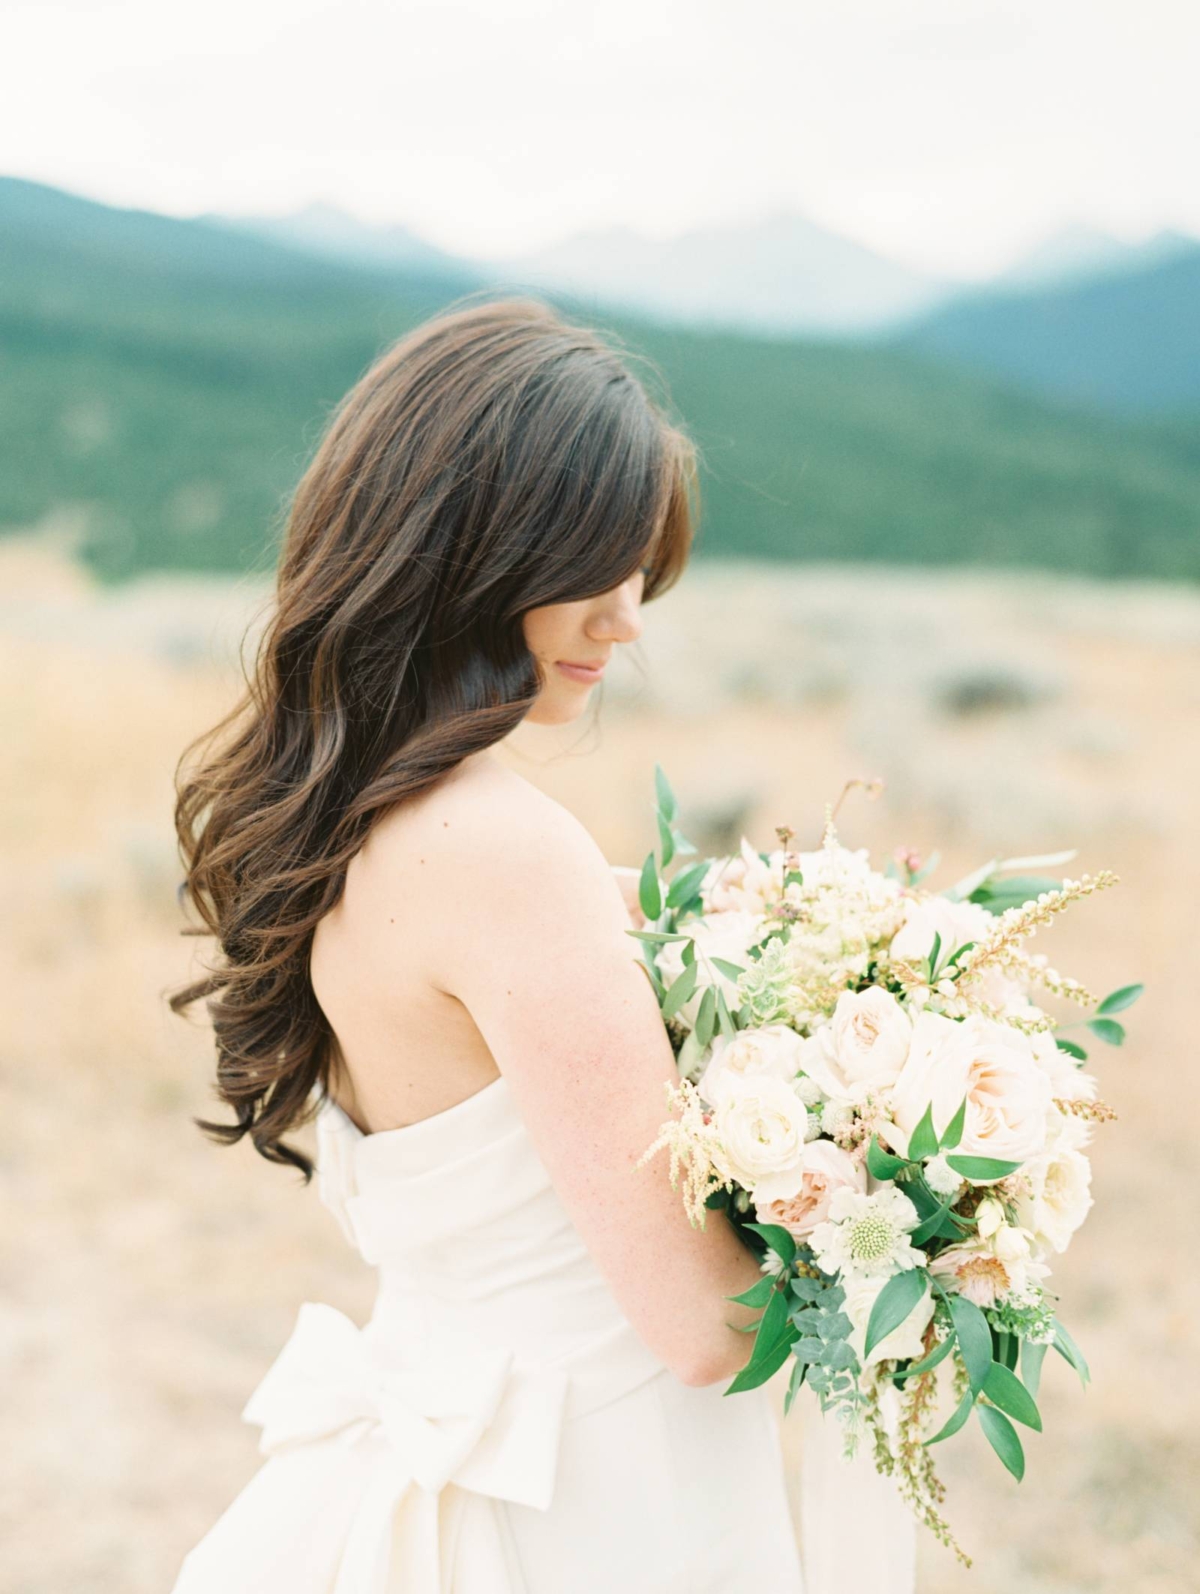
(649,889)
(664,794)
(658,937)
(757,1295)
(953,1131)
(974,1339)
(1032,1357)
(1068,1349)
(932,1225)
(1118,1001)
(807,1289)
(1108,1030)
(923,1141)
(666,839)
(758,1370)
(928,1363)
(981,1169)
(779,1240)
(959,952)
(897,1300)
(728,969)
(961,1412)
(706,1017)
(794,1383)
(1071,1048)
(880,1163)
(688,955)
(1015,892)
(1004,1389)
(681,991)
(686,884)
(725,1020)
(935,952)
(773,1323)
(1002,1437)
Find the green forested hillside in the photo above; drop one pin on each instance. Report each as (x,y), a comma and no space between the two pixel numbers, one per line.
(167,381)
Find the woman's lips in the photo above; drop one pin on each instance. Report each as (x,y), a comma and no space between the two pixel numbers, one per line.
(586,673)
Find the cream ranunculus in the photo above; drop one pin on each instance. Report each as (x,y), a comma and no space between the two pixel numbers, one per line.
(772,1051)
(991,1064)
(761,1123)
(724,935)
(824,1169)
(863,1047)
(904,1341)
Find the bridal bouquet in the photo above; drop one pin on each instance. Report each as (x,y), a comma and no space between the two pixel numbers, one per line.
(870,1089)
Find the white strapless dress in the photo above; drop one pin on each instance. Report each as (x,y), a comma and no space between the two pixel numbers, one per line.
(497,1427)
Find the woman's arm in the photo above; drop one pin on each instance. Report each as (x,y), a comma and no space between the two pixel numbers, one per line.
(541,958)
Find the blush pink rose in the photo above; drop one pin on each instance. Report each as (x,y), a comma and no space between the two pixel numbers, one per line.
(824,1169)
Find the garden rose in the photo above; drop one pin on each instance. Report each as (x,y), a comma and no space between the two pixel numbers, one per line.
(823,1170)
(862,1048)
(762,1123)
(1060,1188)
(991,1064)
(772,1051)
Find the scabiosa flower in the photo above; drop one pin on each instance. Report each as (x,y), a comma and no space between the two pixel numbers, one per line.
(868,1234)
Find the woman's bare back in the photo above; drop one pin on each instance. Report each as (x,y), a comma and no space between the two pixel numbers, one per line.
(408,1049)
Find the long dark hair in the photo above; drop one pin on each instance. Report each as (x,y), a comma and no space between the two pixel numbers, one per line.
(495,459)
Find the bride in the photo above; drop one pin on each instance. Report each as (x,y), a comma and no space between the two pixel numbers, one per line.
(428,956)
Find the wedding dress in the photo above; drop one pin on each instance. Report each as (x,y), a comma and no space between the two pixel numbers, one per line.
(497,1427)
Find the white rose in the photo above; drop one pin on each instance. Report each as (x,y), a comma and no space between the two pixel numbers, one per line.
(991,1064)
(824,1170)
(724,935)
(1060,1198)
(906,1340)
(761,1123)
(742,883)
(772,1051)
(862,1048)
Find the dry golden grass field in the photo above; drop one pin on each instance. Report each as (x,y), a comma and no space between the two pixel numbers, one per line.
(147,1277)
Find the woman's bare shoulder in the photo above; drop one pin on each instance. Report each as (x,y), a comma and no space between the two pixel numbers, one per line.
(485,820)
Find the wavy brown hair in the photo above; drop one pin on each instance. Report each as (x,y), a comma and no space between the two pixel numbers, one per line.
(495,459)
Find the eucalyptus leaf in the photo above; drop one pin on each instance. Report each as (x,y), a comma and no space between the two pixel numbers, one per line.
(664,794)
(728,969)
(1118,1001)
(680,992)
(882,1164)
(1033,1354)
(959,1416)
(982,1169)
(778,1238)
(666,838)
(895,1302)
(923,1141)
(1067,1348)
(757,1372)
(953,1131)
(649,889)
(706,1017)
(1107,1030)
(1004,1389)
(686,884)
(1002,1437)
(974,1339)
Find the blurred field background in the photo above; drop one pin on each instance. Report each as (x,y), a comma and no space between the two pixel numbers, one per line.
(150,1278)
(950,537)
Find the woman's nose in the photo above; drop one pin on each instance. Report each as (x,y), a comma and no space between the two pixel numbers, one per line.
(620,619)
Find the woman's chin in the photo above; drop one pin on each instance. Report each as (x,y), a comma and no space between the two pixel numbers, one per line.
(559,708)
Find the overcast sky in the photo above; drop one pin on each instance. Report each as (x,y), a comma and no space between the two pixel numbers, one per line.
(949,134)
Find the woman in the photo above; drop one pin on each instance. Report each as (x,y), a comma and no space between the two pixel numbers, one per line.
(432,956)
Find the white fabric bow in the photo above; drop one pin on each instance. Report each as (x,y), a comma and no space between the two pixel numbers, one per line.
(465,1413)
